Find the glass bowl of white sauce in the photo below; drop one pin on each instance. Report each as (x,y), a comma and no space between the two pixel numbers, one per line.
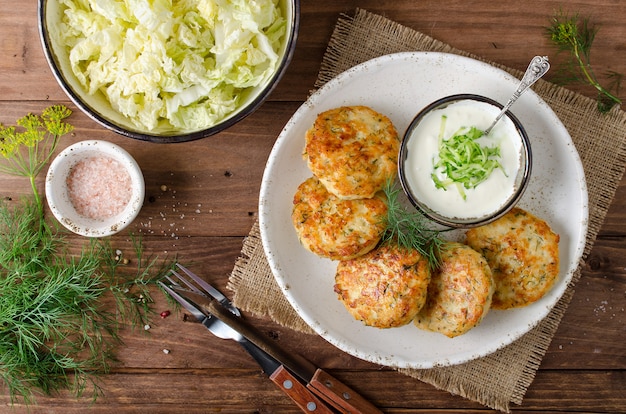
(456,175)
(95,188)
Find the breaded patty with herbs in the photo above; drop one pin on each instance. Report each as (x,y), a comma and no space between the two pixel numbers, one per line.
(523,253)
(334,228)
(353,150)
(384,288)
(459,293)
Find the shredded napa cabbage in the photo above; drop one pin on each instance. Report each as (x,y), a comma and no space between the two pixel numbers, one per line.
(180,64)
(463,161)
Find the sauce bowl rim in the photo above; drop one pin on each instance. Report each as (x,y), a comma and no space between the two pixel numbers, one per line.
(455,222)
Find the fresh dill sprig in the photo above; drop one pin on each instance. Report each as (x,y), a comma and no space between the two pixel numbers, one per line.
(48,308)
(130,284)
(55,332)
(575,35)
(25,151)
(409,228)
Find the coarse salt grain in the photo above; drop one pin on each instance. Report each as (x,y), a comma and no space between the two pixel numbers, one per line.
(99,187)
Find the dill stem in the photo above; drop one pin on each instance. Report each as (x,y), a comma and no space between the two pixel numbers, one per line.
(588,73)
(585,68)
(33,185)
(47,154)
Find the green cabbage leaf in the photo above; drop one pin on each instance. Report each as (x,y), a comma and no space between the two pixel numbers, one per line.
(172,64)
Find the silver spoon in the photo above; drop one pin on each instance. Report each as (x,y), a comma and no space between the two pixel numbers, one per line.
(536,69)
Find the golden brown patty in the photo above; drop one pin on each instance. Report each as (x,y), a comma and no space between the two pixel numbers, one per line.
(334,228)
(384,288)
(459,293)
(523,253)
(353,150)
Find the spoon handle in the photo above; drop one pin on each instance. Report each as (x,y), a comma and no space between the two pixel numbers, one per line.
(536,69)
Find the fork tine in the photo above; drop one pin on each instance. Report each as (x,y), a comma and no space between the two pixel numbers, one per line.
(172,281)
(197,313)
(216,294)
(186,282)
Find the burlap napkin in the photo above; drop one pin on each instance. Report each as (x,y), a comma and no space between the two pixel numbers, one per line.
(502,377)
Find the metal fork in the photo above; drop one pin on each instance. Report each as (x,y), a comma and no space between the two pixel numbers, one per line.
(310,387)
(196,287)
(229,325)
(213,324)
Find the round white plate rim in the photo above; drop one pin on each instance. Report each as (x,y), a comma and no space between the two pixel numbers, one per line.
(325,98)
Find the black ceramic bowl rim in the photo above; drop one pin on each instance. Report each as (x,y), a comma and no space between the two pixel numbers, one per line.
(95,115)
(475,221)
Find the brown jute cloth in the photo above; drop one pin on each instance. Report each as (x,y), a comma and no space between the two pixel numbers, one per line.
(504,376)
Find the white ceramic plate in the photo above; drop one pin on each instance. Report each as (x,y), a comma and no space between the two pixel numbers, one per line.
(399,85)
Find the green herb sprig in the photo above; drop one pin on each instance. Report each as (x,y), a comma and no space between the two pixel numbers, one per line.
(575,35)
(25,151)
(55,330)
(48,311)
(409,228)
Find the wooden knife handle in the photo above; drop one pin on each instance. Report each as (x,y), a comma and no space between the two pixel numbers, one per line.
(329,389)
(340,395)
(301,395)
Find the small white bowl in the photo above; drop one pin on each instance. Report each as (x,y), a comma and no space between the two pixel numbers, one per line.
(58,196)
(430,200)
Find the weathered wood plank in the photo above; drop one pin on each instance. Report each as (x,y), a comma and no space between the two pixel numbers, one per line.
(211,202)
(508,35)
(231,390)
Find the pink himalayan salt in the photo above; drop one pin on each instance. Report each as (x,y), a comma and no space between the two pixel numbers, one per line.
(99,187)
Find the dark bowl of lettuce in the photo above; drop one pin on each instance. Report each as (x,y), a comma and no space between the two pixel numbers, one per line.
(166,71)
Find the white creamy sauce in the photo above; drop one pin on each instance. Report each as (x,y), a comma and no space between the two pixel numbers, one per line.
(423,150)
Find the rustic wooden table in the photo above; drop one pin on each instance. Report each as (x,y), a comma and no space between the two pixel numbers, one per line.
(211,203)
